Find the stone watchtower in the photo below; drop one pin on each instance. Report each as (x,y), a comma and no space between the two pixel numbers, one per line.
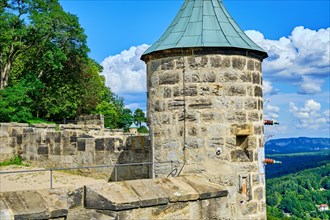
(205,106)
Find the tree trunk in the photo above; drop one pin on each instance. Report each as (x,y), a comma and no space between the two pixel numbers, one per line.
(4,75)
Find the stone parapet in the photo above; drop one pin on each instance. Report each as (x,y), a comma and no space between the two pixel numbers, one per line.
(170,198)
(73,146)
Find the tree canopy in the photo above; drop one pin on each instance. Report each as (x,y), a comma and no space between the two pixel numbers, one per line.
(45,69)
(299,194)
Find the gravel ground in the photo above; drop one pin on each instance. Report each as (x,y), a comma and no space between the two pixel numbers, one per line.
(40,180)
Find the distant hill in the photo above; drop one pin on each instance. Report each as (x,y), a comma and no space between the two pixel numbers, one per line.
(296,145)
(299,194)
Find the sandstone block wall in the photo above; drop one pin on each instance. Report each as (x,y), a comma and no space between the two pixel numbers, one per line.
(97,120)
(206,111)
(74,146)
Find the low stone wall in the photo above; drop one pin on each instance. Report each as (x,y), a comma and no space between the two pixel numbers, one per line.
(75,146)
(91,120)
(169,198)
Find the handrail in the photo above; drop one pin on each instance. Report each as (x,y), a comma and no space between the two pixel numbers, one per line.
(87,167)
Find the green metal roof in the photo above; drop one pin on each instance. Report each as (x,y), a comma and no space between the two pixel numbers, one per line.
(203,23)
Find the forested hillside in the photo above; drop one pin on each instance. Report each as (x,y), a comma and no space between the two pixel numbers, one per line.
(299,195)
(46,74)
(292,163)
(296,145)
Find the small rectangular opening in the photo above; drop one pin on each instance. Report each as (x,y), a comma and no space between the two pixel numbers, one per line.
(241,141)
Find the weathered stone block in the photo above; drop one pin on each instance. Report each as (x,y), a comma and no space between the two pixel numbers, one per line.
(241,129)
(43,150)
(192,77)
(236,90)
(207,116)
(19,139)
(209,77)
(153,66)
(195,143)
(196,62)
(73,139)
(250,65)
(253,116)
(192,131)
(256,78)
(258,91)
(28,130)
(69,149)
(217,90)
(81,144)
(167,64)
(236,116)
(250,104)
(109,144)
(250,208)
(57,137)
(239,156)
(99,144)
(168,78)
(179,63)
(230,76)
(258,193)
(258,66)
(171,144)
(255,179)
(258,129)
(158,106)
(75,198)
(176,104)
(260,104)
(246,77)
(238,63)
(167,92)
(201,103)
(220,62)
(165,119)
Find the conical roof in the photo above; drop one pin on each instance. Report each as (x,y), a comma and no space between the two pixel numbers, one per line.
(203,23)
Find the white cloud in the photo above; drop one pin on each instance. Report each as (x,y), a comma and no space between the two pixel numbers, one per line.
(310,115)
(310,85)
(125,72)
(267,87)
(133,106)
(271,111)
(304,53)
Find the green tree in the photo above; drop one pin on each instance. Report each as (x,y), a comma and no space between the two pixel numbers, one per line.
(16,102)
(41,30)
(38,37)
(110,113)
(139,117)
(125,119)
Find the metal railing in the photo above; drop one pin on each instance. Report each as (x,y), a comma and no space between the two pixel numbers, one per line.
(115,166)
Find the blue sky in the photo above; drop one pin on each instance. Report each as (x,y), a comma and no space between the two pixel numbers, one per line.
(296,35)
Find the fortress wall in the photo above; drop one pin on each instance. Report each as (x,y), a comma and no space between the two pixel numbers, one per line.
(44,145)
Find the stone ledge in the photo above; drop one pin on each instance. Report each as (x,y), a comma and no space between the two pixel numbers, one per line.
(39,204)
(149,192)
(60,202)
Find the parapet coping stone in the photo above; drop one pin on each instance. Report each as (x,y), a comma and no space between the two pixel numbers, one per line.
(39,204)
(114,196)
(141,193)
